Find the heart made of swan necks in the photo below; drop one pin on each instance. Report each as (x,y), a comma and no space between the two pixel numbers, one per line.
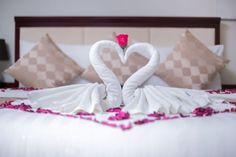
(139,77)
(149,99)
(91,97)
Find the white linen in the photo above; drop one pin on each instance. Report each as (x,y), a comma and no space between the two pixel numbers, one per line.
(71,99)
(91,97)
(174,100)
(25,134)
(8,93)
(149,98)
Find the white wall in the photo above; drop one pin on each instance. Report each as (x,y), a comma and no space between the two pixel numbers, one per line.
(228,38)
(11,8)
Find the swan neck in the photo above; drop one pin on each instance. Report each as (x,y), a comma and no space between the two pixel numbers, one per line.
(140,76)
(113,88)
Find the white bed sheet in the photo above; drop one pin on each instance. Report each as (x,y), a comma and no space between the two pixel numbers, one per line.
(25,134)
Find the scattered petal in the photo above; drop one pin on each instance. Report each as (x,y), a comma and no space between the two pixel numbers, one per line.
(116,109)
(125,127)
(201,111)
(143,121)
(85,114)
(120,116)
(157,115)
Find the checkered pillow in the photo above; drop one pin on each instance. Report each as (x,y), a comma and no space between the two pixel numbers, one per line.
(190,65)
(112,60)
(44,66)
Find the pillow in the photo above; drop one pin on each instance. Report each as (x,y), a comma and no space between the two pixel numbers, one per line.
(75,52)
(138,60)
(79,53)
(165,51)
(44,66)
(190,65)
(112,60)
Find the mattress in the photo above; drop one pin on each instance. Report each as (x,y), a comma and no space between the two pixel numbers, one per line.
(27,133)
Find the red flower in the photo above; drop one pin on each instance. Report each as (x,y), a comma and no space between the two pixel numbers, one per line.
(122,40)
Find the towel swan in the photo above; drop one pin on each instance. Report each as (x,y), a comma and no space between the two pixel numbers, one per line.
(149,99)
(91,97)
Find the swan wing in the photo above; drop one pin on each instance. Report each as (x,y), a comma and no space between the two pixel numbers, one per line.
(175,100)
(84,97)
(70,99)
(169,100)
(138,104)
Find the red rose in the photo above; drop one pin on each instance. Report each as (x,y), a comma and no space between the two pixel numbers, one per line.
(122,40)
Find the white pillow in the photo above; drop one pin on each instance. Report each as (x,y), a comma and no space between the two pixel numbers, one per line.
(79,53)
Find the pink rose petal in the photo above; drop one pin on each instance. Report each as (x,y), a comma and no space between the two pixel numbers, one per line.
(116,109)
(120,116)
(125,127)
(85,114)
(201,111)
(143,121)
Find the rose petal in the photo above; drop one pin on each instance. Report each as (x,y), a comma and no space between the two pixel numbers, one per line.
(120,116)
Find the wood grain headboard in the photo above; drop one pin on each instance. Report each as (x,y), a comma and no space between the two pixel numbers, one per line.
(137,22)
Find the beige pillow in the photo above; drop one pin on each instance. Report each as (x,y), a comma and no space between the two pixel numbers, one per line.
(191,64)
(44,66)
(112,60)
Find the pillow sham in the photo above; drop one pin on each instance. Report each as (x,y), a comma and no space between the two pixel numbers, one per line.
(191,64)
(44,66)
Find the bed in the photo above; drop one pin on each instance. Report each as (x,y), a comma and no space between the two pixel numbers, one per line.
(33,132)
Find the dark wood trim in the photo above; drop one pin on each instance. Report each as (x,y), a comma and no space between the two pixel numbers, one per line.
(40,21)
(17,41)
(8,85)
(106,21)
(17,50)
(229,86)
(217,34)
(11,85)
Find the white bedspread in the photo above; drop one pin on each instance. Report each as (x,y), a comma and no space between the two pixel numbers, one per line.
(25,134)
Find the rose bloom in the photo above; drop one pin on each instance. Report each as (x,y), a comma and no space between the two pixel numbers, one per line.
(122,40)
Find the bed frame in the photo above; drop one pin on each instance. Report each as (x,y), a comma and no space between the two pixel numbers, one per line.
(88,21)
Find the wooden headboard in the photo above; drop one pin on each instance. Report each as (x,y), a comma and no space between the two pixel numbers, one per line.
(182,22)
(138,22)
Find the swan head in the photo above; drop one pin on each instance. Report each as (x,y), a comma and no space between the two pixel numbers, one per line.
(98,46)
(145,49)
